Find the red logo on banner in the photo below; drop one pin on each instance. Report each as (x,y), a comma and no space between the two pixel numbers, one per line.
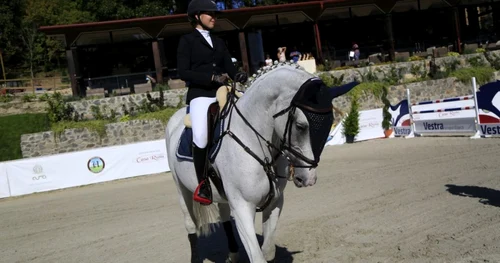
(150,158)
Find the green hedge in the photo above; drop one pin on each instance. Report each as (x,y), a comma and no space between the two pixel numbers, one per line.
(11,129)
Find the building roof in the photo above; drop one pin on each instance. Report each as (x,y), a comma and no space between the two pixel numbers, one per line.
(232,19)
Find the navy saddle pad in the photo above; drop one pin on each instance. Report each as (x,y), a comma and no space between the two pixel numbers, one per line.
(185,150)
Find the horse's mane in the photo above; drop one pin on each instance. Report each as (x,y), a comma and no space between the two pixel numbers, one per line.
(267,69)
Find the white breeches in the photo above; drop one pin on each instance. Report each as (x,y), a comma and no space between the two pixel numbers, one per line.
(198,110)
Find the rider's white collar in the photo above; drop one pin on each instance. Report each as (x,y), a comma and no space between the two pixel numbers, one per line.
(206,35)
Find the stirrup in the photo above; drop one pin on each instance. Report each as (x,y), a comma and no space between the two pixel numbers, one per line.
(197,198)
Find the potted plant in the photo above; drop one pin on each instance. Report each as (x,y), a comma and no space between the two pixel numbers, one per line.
(386,121)
(351,122)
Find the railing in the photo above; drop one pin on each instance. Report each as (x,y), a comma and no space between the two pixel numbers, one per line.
(34,85)
(118,83)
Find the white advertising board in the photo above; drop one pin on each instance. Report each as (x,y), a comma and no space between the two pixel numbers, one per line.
(86,167)
(4,182)
(370,125)
(471,114)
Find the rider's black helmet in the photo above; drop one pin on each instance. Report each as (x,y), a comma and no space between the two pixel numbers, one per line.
(196,7)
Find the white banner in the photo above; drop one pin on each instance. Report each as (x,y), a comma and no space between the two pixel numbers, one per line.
(86,167)
(4,182)
(370,125)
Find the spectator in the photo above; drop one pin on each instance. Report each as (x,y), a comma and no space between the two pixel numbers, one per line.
(281,54)
(295,54)
(269,61)
(354,54)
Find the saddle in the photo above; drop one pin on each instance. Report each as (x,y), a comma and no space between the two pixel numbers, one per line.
(215,128)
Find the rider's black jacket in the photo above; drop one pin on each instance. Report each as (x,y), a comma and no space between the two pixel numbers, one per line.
(197,61)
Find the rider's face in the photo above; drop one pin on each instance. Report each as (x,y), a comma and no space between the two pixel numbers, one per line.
(208,19)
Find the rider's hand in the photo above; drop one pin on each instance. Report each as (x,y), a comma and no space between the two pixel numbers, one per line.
(220,79)
(241,77)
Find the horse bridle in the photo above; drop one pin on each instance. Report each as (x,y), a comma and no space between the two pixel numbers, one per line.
(285,144)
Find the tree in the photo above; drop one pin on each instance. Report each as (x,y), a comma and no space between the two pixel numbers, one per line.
(28,35)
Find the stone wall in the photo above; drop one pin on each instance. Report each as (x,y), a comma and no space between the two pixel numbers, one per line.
(46,143)
(406,70)
(171,97)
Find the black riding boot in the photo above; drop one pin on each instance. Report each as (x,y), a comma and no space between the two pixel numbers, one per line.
(203,193)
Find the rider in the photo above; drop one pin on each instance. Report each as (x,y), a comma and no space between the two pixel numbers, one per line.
(204,62)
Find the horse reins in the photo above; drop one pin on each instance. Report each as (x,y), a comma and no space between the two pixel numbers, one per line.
(283,146)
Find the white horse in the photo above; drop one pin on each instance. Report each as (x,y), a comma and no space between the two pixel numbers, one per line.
(270,139)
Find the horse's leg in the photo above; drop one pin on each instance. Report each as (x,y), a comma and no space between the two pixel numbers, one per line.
(244,215)
(270,218)
(271,214)
(186,202)
(225,214)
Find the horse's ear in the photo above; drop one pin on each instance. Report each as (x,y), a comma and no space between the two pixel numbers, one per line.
(341,90)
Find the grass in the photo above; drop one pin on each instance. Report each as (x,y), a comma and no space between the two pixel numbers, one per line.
(11,129)
(163,115)
(98,126)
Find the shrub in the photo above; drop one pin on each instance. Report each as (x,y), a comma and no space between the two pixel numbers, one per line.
(386,122)
(416,58)
(351,122)
(483,74)
(59,110)
(331,80)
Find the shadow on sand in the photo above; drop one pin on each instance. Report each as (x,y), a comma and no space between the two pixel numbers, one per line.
(486,195)
(215,248)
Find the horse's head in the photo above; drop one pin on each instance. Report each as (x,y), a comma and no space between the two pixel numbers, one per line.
(303,123)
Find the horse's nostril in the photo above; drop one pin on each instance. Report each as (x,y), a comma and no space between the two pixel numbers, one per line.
(299,179)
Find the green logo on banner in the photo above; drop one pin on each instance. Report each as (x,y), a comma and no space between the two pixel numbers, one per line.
(96,164)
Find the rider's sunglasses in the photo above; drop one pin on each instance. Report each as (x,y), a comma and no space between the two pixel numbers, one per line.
(212,14)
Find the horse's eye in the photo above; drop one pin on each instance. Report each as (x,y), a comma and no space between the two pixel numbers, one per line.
(301,126)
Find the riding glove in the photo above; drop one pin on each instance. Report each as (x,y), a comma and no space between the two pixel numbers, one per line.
(241,77)
(220,79)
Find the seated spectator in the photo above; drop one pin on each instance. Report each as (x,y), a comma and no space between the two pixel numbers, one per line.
(295,54)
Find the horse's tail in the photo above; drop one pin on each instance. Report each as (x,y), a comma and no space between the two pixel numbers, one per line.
(207,217)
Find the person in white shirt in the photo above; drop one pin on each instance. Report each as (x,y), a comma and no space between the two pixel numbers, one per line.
(269,61)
